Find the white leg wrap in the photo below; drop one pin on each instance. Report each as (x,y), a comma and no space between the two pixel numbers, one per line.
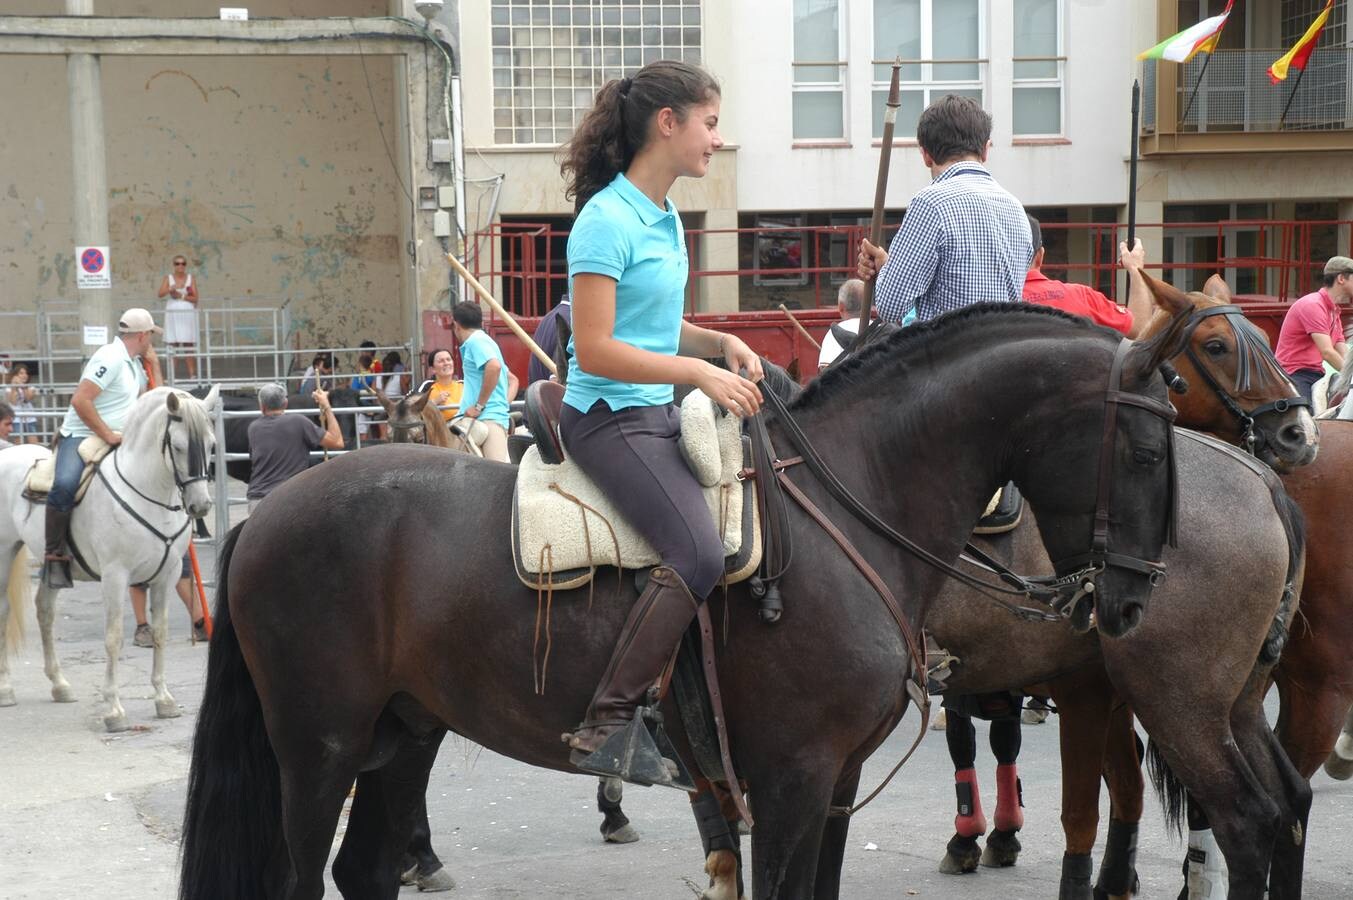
(1207,869)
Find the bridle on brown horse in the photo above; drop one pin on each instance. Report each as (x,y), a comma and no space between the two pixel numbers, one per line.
(1252,356)
(1063,593)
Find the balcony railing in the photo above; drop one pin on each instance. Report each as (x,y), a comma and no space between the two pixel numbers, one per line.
(1235,94)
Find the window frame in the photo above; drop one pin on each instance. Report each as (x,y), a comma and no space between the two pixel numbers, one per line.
(1058,81)
(841,86)
(926,85)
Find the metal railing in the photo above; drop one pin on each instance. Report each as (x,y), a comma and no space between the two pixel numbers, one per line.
(1234,92)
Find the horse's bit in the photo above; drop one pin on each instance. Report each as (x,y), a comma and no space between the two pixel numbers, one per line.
(1250,354)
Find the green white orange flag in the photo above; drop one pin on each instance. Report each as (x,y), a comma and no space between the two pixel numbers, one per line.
(1296,57)
(1201,38)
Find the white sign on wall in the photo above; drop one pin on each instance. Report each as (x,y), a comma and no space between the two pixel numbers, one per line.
(93,268)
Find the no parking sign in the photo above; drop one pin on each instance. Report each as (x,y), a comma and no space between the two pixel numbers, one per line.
(92,270)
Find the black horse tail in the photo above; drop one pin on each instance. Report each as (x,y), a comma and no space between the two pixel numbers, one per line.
(1294,523)
(232,825)
(1169,789)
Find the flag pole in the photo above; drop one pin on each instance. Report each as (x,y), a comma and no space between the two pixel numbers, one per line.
(1132,176)
(1197,84)
(1290,97)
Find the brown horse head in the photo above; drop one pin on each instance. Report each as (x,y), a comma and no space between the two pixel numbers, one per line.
(1238,390)
(413,421)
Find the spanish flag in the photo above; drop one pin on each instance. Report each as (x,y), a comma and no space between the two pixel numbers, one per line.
(1296,57)
(1201,38)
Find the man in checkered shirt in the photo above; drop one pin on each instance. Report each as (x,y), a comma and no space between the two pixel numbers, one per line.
(965,239)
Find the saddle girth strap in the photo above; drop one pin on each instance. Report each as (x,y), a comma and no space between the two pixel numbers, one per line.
(916,685)
(716,705)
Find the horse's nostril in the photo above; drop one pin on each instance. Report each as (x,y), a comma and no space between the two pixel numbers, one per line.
(1132,615)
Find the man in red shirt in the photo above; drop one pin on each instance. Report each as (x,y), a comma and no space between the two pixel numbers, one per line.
(1086,301)
(1312,332)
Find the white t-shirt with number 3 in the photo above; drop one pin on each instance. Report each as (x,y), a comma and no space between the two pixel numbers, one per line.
(120,379)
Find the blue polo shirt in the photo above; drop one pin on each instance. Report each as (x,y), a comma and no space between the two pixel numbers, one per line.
(622,234)
(475,353)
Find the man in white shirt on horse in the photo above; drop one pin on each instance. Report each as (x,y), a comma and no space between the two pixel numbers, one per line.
(109,385)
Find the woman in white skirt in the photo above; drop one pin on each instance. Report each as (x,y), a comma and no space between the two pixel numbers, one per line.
(180,313)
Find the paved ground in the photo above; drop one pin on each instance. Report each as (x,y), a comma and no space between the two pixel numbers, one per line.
(84,814)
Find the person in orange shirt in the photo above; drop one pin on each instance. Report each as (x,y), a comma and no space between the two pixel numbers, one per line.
(443,389)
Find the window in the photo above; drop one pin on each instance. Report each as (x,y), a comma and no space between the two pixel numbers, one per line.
(1039,68)
(819,71)
(549,60)
(940,44)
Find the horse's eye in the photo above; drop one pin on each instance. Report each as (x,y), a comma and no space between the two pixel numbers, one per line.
(1215,348)
(1145,457)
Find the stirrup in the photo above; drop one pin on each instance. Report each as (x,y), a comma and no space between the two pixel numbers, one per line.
(56,572)
(640,753)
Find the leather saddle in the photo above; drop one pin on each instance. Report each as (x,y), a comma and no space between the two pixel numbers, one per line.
(42,474)
(564,527)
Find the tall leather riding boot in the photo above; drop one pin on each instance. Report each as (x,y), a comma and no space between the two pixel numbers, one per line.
(56,565)
(649,638)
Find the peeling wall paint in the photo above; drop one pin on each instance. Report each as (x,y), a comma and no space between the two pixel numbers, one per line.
(271,174)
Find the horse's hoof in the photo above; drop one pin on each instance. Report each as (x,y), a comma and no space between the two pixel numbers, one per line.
(409,875)
(1336,766)
(960,856)
(625,834)
(7,697)
(167,709)
(1033,716)
(114,724)
(940,722)
(439,880)
(62,693)
(1002,850)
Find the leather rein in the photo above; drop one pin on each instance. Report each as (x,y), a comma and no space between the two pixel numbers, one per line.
(1062,593)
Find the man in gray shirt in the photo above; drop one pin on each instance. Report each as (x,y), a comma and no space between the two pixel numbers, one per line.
(280,445)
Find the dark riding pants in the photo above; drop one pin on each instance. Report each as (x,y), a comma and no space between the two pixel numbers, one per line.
(69,465)
(1305,380)
(633,456)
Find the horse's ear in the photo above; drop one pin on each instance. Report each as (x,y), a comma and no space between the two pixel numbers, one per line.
(1167,296)
(212,400)
(386,403)
(172,402)
(1217,288)
(1145,357)
(416,402)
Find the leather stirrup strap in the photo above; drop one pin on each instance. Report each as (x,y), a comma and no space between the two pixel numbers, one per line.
(716,703)
(916,687)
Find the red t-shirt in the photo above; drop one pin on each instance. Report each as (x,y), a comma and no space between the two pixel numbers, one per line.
(1076,299)
(1313,314)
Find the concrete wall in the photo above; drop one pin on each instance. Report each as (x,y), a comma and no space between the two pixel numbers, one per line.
(270,173)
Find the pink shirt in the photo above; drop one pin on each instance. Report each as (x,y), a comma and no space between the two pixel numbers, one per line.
(1313,314)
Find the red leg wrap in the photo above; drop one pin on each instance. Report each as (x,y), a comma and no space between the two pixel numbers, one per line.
(969,822)
(1009,799)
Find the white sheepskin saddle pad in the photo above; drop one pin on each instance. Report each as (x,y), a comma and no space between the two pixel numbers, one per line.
(563,527)
(42,474)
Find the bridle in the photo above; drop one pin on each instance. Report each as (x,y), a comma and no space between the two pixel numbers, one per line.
(1252,355)
(197,471)
(1062,593)
(408,429)
(1078,574)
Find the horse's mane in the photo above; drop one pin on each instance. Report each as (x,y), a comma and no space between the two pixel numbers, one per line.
(897,353)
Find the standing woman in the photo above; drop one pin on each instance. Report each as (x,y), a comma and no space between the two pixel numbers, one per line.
(180,313)
(627,270)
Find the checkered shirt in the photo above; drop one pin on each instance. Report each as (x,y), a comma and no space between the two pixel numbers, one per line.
(965,239)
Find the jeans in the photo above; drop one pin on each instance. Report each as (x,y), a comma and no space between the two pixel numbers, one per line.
(1305,380)
(69,465)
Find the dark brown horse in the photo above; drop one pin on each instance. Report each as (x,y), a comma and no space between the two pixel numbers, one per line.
(333,663)
(1095,726)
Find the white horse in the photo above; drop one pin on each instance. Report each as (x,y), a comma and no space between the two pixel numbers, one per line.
(132,527)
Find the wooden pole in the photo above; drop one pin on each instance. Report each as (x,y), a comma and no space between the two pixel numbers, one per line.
(1132,178)
(503,314)
(192,551)
(797,324)
(881,191)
